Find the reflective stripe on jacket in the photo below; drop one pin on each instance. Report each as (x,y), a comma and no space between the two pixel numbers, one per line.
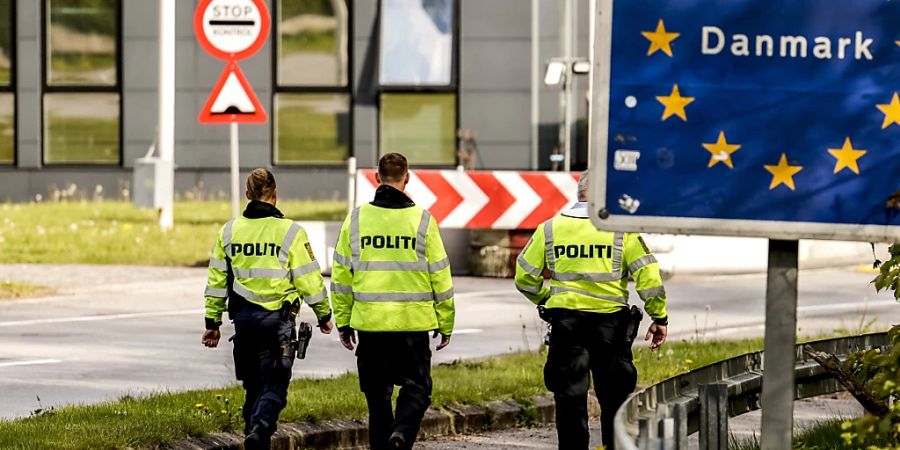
(272,263)
(391,272)
(589,268)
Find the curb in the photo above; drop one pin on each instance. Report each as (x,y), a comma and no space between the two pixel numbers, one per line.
(351,434)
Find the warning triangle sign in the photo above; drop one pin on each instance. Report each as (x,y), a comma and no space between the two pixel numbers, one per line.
(232,100)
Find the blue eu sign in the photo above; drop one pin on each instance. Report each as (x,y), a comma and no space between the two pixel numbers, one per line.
(778,119)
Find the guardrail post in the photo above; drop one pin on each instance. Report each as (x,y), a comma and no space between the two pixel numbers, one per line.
(678,412)
(667,434)
(643,441)
(713,417)
(779,344)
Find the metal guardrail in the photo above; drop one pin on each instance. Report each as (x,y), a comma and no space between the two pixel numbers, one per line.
(662,415)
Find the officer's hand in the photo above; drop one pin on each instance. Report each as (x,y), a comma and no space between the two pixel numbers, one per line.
(445,340)
(658,333)
(326,327)
(211,338)
(348,338)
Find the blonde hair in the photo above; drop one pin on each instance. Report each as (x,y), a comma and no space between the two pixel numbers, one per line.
(261,184)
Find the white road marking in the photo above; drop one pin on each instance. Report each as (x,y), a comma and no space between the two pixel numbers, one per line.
(99,318)
(184,312)
(848,305)
(34,362)
(468,331)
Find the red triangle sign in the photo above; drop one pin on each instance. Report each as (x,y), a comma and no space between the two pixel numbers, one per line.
(232,100)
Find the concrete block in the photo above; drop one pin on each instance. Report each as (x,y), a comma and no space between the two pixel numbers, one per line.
(468,419)
(333,434)
(187,445)
(219,441)
(503,413)
(436,423)
(545,408)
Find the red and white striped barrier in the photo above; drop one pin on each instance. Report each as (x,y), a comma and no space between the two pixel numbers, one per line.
(491,199)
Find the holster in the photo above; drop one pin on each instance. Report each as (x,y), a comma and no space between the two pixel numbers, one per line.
(289,344)
(635,316)
(289,311)
(304,334)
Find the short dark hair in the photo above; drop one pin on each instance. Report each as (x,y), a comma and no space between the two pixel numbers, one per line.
(392,168)
(261,184)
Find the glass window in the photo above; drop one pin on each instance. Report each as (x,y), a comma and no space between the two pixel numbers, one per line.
(7,91)
(81,128)
(7,128)
(6,42)
(421,126)
(312,42)
(312,128)
(82,42)
(416,42)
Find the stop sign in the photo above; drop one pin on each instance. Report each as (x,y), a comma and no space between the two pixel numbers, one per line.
(232,29)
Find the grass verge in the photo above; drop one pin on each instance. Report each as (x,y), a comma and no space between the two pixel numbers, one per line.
(824,435)
(118,233)
(163,419)
(10,290)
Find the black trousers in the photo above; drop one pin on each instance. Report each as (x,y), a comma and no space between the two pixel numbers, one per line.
(393,359)
(258,364)
(584,344)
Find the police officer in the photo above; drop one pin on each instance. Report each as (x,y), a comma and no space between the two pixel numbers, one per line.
(391,285)
(587,307)
(263,264)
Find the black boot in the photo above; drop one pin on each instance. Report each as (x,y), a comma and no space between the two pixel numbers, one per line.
(397,441)
(257,439)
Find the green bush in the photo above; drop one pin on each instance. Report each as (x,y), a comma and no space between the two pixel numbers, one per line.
(880,373)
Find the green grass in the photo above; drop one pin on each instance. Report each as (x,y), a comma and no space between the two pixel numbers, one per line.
(10,290)
(118,233)
(824,435)
(163,419)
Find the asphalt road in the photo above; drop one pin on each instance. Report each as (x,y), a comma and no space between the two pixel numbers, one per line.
(112,331)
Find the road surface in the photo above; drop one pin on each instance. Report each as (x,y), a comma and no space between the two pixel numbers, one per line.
(116,330)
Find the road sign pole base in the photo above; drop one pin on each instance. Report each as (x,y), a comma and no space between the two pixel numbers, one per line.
(780,338)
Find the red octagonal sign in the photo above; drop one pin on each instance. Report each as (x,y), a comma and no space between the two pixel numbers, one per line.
(232,29)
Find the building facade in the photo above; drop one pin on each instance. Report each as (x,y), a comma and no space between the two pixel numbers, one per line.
(338,78)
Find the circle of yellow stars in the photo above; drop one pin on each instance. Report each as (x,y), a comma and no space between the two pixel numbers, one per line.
(675,104)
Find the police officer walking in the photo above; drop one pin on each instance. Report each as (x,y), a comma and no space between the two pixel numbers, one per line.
(586,304)
(391,284)
(263,264)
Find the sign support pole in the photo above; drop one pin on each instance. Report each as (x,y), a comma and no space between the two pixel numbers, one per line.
(235,168)
(351,184)
(780,338)
(166,102)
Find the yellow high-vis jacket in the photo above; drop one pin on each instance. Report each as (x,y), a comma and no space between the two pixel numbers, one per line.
(589,268)
(271,262)
(390,270)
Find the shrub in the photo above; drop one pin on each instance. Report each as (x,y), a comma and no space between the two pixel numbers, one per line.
(880,373)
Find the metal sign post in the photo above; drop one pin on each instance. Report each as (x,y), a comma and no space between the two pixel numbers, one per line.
(232,30)
(741,118)
(235,177)
(166,119)
(781,335)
